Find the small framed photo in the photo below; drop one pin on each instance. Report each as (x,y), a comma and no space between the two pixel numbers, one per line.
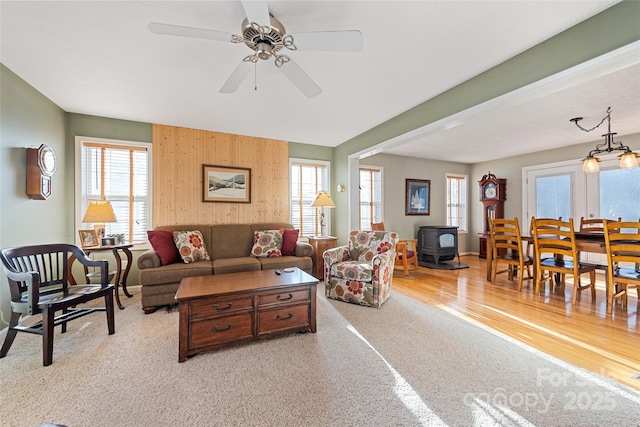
(226,184)
(108,241)
(417,196)
(88,238)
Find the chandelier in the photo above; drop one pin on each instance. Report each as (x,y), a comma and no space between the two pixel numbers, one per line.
(628,159)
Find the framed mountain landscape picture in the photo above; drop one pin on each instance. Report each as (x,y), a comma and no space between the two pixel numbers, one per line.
(226,184)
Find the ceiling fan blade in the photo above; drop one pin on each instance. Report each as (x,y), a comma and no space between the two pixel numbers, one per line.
(257,11)
(329,41)
(198,33)
(237,77)
(301,79)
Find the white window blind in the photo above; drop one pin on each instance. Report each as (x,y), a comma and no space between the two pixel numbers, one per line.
(119,174)
(307,178)
(456,201)
(370,197)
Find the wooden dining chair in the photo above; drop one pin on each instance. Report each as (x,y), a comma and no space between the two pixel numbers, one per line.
(556,254)
(593,225)
(622,241)
(406,250)
(507,248)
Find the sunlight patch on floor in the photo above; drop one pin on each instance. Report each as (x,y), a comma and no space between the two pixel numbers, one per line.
(556,334)
(568,366)
(407,395)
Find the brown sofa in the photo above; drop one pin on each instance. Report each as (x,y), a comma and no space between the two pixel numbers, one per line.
(229,247)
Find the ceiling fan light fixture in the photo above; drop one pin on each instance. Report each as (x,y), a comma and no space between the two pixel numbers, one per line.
(266,37)
(264,50)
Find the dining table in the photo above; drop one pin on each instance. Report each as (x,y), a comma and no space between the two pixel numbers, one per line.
(585,242)
(593,242)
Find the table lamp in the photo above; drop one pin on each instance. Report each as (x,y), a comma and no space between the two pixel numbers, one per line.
(322,200)
(99,212)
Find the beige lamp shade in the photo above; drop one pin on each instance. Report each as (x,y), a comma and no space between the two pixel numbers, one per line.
(99,211)
(323,200)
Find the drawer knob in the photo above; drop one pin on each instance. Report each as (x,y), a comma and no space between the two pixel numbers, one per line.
(279,298)
(217,308)
(215,328)
(278,317)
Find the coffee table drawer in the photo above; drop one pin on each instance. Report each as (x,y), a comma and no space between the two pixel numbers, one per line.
(270,321)
(284,297)
(219,306)
(220,330)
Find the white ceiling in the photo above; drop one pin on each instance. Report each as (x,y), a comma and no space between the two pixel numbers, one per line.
(99,58)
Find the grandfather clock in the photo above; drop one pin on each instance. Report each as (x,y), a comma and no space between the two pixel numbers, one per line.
(493,193)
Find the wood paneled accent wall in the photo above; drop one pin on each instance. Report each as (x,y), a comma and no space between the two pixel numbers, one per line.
(178,156)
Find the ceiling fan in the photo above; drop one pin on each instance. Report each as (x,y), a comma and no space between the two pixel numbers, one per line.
(266,37)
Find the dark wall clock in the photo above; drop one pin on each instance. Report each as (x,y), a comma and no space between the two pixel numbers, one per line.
(41,165)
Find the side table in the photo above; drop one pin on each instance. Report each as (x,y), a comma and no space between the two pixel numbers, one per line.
(120,273)
(321,244)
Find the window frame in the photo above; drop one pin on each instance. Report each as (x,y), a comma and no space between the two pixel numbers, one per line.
(316,213)
(79,173)
(380,170)
(464,199)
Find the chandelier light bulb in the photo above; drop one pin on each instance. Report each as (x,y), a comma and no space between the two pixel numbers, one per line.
(628,160)
(590,165)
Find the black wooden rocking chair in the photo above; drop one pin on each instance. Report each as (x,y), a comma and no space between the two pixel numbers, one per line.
(38,278)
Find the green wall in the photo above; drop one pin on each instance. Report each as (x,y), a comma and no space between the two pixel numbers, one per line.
(396,170)
(28,119)
(311,152)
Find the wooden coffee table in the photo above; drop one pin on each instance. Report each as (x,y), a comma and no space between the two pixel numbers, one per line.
(228,309)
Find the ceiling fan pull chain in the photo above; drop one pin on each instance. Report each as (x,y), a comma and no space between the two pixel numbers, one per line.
(255,75)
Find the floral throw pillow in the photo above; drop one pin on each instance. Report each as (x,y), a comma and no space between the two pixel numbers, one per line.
(267,243)
(191,246)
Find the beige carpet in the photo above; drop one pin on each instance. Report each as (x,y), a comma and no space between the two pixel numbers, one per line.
(405,364)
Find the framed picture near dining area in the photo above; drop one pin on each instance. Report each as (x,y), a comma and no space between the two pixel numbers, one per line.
(226,184)
(417,193)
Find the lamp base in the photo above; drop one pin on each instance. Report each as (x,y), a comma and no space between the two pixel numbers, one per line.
(100,230)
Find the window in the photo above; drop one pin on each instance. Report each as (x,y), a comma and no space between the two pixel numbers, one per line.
(117,171)
(552,191)
(370,197)
(553,196)
(457,201)
(307,177)
(618,192)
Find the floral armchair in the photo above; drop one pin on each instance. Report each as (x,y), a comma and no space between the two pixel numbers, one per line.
(361,272)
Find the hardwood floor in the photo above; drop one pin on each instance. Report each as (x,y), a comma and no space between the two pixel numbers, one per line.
(583,335)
